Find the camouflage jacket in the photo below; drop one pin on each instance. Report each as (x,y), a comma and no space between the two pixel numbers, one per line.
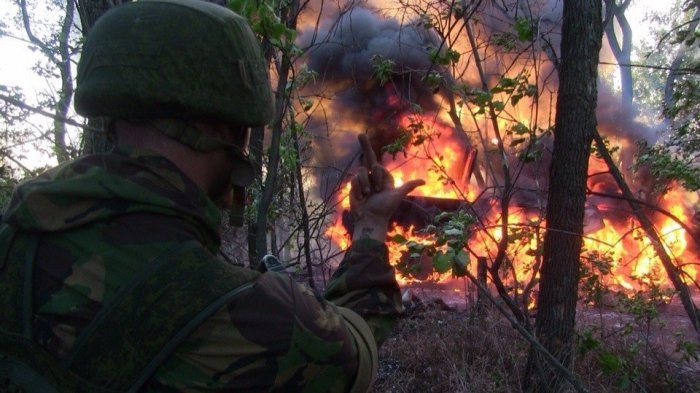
(102,220)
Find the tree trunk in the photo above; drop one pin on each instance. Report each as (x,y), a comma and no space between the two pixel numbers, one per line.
(573,133)
(305,226)
(94,139)
(683,47)
(621,50)
(61,58)
(288,15)
(270,186)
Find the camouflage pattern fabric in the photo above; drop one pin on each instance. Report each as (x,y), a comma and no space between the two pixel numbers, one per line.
(175,58)
(102,217)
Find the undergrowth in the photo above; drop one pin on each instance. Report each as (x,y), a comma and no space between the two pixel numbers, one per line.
(436,349)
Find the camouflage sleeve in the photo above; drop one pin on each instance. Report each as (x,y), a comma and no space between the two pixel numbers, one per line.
(281,336)
(366,284)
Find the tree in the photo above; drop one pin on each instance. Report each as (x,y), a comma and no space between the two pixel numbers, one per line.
(277,29)
(662,159)
(281,203)
(58,48)
(490,65)
(573,134)
(61,57)
(619,35)
(676,156)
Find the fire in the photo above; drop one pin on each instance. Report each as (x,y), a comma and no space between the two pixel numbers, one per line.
(616,248)
(614,243)
(434,160)
(337,231)
(339,235)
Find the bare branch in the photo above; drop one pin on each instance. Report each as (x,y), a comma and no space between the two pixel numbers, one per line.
(41,111)
(43,46)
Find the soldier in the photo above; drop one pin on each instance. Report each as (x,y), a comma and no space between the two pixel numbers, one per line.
(108,274)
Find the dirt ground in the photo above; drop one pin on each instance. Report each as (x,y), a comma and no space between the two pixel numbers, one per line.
(440,345)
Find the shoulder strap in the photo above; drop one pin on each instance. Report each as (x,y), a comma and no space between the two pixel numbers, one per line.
(153,314)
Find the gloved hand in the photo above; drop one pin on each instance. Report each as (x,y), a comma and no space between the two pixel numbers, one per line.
(373,196)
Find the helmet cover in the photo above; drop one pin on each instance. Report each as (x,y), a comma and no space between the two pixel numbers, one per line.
(182,59)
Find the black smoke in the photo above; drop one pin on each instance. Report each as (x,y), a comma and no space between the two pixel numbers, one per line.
(346,59)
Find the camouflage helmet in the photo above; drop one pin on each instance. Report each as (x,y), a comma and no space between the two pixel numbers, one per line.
(182,59)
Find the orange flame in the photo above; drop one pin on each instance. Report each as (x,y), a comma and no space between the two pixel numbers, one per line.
(633,263)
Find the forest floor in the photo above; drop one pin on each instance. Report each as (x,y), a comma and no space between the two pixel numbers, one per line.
(443,345)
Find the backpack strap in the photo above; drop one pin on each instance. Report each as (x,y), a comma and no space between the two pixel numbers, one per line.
(151,315)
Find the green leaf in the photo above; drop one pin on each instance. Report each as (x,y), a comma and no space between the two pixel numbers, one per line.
(515,98)
(440,241)
(520,129)
(588,343)
(504,40)
(609,362)
(462,258)
(523,28)
(508,83)
(459,270)
(454,232)
(442,262)
(460,263)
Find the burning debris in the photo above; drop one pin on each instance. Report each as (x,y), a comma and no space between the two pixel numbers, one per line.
(408,124)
